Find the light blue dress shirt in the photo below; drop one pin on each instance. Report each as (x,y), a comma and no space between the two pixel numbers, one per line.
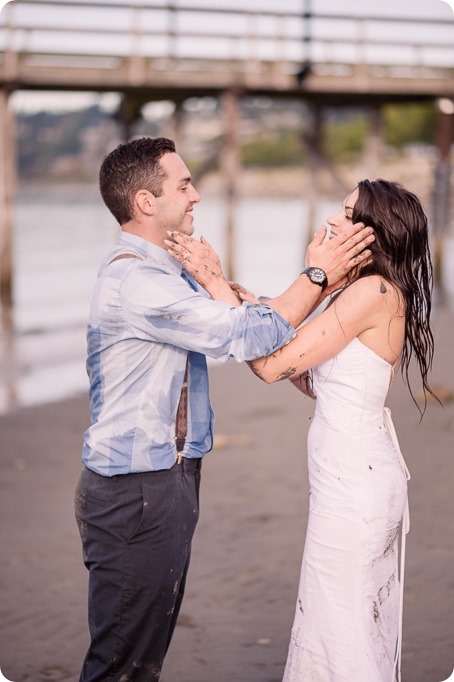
(147,317)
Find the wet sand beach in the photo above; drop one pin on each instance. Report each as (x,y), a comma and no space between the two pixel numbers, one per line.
(237,614)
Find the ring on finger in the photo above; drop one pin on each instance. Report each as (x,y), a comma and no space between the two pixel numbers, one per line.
(186,255)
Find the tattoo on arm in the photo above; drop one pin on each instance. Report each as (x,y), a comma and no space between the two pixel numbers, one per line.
(287,373)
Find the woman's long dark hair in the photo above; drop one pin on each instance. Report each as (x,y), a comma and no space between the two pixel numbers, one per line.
(401,255)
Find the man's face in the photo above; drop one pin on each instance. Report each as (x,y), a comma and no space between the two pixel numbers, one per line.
(174,206)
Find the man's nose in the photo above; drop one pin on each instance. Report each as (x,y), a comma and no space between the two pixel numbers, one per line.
(195,196)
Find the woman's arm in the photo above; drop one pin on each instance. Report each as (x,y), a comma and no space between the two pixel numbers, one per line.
(361,308)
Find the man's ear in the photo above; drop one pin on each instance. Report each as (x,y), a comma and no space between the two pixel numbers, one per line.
(145,202)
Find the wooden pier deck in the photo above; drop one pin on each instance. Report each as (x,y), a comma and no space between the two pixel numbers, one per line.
(173,51)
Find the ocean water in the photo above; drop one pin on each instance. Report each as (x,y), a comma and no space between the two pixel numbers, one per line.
(62,234)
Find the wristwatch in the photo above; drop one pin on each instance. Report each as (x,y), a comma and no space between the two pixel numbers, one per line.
(316,276)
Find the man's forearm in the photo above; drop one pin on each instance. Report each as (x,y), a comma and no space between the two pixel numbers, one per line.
(297,302)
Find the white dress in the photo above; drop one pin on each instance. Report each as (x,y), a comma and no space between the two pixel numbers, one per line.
(348,618)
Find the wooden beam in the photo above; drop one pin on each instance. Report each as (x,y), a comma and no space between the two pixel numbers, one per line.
(231,168)
(373,148)
(7,188)
(312,140)
(442,191)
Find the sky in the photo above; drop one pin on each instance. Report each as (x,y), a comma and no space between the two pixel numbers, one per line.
(115,19)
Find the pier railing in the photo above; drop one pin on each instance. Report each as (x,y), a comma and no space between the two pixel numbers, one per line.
(71,44)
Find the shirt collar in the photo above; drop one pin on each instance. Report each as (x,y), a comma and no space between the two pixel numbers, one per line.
(149,250)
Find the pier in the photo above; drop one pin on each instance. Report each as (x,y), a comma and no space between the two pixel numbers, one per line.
(172,51)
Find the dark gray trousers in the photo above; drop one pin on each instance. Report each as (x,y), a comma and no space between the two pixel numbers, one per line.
(136,532)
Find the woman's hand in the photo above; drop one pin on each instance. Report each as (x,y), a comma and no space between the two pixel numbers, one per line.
(197,257)
(202,262)
(243,293)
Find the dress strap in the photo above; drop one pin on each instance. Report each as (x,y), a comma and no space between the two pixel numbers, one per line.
(405,527)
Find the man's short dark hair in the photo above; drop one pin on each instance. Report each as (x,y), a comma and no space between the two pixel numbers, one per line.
(129,168)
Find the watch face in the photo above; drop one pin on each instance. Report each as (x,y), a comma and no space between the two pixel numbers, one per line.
(317,275)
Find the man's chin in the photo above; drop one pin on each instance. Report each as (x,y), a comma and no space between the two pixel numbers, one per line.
(187,228)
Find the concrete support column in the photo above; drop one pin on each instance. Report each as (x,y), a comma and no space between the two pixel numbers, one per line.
(7,189)
(231,166)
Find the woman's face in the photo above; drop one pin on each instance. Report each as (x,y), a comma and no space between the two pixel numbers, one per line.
(339,221)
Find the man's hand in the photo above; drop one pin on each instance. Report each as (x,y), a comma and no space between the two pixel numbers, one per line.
(339,255)
(243,293)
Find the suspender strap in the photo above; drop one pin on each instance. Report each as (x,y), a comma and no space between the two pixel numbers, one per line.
(123,255)
(181,424)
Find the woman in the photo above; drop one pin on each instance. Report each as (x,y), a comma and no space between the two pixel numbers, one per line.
(348,616)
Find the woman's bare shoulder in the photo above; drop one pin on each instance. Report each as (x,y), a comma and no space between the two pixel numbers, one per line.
(370,300)
(373,288)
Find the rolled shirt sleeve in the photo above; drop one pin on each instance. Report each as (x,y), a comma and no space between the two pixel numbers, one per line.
(161,307)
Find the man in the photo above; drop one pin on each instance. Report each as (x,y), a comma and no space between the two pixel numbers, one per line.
(149,330)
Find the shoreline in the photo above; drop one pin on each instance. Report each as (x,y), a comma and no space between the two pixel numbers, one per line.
(412,168)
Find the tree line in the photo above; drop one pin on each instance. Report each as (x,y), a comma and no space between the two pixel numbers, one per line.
(71,144)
